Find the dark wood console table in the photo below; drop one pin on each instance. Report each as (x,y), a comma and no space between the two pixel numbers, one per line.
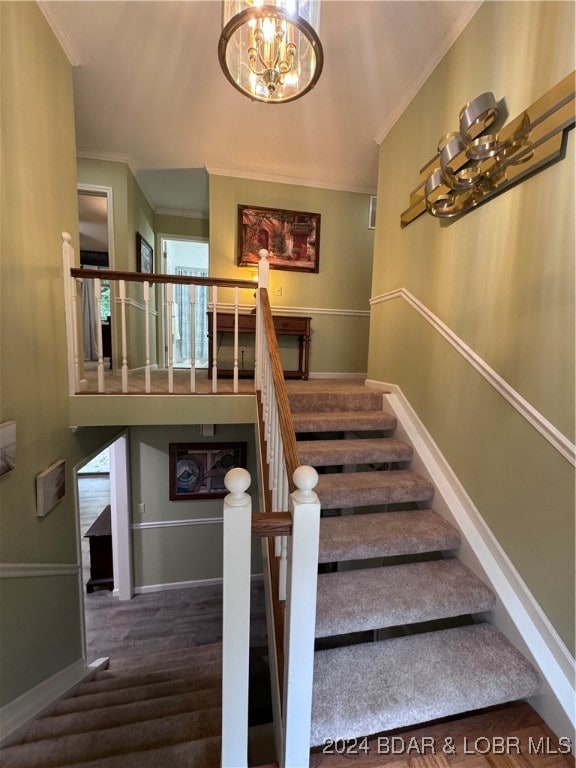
(100,537)
(284,325)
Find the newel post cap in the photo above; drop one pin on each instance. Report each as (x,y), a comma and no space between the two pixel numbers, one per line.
(305,479)
(237,481)
(67,237)
(263,253)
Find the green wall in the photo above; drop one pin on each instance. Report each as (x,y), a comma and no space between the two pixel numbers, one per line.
(181,226)
(178,553)
(502,278)
(40,627)
(339,342)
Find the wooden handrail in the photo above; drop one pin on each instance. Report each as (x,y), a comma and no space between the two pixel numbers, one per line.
(155,277)
(271,524)
(284,413)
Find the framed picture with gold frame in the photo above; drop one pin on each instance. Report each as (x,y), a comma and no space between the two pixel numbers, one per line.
(292,238)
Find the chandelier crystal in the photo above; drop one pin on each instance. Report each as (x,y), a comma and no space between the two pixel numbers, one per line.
(269,49)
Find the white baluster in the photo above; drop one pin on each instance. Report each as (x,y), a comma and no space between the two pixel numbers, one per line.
(235,387)
(192,338)
(146,288)
(236,619)
(67,256)
(76,357)
(300,619)
(98,301)
(170,334)
(122,293)
(282,567)
(214,338)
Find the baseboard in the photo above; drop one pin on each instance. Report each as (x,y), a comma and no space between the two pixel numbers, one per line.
(148,588)
(518,614)
(15,716)
(337,375)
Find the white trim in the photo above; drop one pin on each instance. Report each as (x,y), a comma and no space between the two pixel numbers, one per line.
(111,157)
(298,182)
(33,570)
(122,546)
(16,715)
(184,214)
(518,614)
(177,523)
(66,44)
(296,311)
(452,34)
(147,588)
(559,441)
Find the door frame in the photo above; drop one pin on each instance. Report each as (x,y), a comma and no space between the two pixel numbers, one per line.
(121,523)
(162,264)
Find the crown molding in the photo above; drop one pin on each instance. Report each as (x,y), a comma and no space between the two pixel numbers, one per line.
(111,157)
(272,178)
(182,213)
(66,44)
(453,33)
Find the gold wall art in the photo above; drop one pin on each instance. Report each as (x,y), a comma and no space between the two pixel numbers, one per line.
(472,164)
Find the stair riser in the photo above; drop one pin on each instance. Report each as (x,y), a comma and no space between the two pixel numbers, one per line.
(133,712)
(114,741)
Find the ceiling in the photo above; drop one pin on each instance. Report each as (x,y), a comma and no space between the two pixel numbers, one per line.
(149,91)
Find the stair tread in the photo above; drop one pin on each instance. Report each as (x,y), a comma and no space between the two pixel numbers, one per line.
(200,753)
(342,421)
(385,534)
(373,598)
(126,695)
(372,687)
(107,742)
(111,681)
(322,453)
(357,489)
(355,398)
(51,726)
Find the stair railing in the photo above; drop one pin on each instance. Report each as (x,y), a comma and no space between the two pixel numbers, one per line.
(289,526)
(134,291)
(292,708)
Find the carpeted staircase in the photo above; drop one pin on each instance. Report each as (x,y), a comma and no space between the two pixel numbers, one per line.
(401,632)
(146,712)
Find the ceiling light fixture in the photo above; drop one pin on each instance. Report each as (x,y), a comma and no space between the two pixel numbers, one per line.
(269,49)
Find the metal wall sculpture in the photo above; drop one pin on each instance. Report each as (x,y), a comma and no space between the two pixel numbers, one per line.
(472,166)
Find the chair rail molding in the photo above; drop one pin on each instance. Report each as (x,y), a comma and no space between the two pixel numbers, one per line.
(33,570)
(551,433)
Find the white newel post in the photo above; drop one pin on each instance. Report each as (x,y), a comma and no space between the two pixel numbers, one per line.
(236,620)
(300,621)
(71,335)
(263,282)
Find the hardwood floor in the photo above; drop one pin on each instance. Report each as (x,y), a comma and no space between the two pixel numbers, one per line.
(513,736)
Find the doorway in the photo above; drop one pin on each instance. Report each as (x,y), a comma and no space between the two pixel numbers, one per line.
(95,228)
(104,533)
(189,257)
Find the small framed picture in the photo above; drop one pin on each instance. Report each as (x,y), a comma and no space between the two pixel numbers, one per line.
(50,487)
(144,255)
(197,470)
(7,447)
(292,238)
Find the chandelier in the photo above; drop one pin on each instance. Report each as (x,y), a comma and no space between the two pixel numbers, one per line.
(269,49)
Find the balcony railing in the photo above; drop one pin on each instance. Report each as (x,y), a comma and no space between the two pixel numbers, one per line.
(143,322)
